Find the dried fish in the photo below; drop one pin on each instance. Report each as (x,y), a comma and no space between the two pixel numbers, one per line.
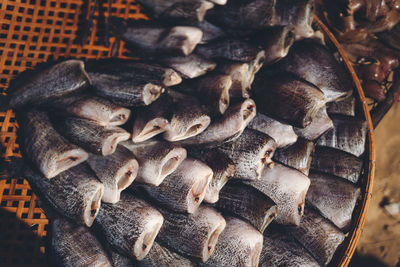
(247,203)
(287,187)
(334,198)
(45,147)
(156,160)
(188,118)
(337,162)
(191,66)
(130,226)
(318,235)
(298,155)
(226,128)
(242,239)
(391,37)
(240,76)
(281,249)
(185,188)
(161,256)
(91,136)
(313,62)
(116,172)
(45,85)
(285,97)
(349,134)
(73,245)
(210,31)
(319,125)
(194,235)
(250,153)
(283,134)
(222,167)
(119,260)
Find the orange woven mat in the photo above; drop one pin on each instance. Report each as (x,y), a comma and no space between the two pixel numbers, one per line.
(31,32)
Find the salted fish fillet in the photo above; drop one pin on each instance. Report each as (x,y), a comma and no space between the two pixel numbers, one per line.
(320,124)
(191,66)
(49,151)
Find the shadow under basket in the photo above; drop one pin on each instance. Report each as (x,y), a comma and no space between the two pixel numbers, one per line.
(33,32)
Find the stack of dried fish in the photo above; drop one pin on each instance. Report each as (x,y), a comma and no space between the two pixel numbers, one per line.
(179,130)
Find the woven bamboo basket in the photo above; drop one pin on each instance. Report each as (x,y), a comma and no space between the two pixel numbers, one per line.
(35,31)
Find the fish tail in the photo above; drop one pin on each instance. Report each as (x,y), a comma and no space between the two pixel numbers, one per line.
(12,167)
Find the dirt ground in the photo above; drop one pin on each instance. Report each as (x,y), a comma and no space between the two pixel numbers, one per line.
(380,242)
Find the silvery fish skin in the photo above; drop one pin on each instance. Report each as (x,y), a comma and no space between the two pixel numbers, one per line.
(314,63)
(226,128)
(319,125)
(152,120)
(240,238)
(50,152)
(185,188)
(281,249)
(76,193)
(247,203)
(345,107)
(91,136)
(189,67)
(283,134)
(100,110)
(177,40)
(156,159)
(286,97)
(287,187)
(251,152)
(297,156)
(116,171)
(194,235)
(73,245)
(188,118)
(130,226)
(349,134)
(334,198)
(318,235)
(222,167)
(119,260)
(210,32)
(161,256)
(336,162)
(297,14)
(229,49)
(57,81)
(239,73)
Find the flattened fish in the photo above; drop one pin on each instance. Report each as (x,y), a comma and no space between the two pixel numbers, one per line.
(194,235)
(161,256)
(319,236)
(222,167)
(240,238)
(250,153)
(287,187)
(338,163)
(45,147)
(46,85)
(156,160)
(119,260)
(240,76)
(116,172)
(73,245)
(185,188)
(189,67)
(349,134)
(285,97)
(281,249)
(283,134)
(298,155)
(314,63)
(188,118)
(130,226)
(247,203)
(334,198)
(319,125)
(210,32)
(225,128)
(91,136)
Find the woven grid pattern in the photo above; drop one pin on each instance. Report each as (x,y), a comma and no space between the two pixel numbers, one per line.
(31,32)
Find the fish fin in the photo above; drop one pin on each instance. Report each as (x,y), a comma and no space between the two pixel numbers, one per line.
(12,167)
